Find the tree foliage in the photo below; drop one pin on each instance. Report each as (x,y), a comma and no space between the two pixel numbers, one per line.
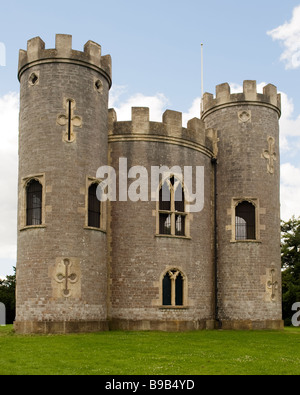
(290,257)
(7,296)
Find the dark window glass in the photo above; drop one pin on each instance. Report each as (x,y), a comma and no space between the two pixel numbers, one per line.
(94,210)
(34,192)
(165,198)
(245,227)
(173,282)
(167,299)
(180,225)
(179,290)
(165,224)
(171,207)
(179,199)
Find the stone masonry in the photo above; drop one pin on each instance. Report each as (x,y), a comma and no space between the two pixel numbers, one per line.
(74,277)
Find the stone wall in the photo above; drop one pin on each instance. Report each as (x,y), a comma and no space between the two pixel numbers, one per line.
(47,290)
(248,169)
(140,256)
(72,277)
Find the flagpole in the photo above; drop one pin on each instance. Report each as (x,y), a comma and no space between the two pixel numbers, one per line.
(202,80)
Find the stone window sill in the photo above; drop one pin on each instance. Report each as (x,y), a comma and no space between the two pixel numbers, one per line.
(174,237)
(96,229)
(173,307)
(32,227)
(246,241)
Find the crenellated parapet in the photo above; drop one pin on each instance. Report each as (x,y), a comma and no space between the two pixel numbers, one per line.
(170,130)
(189,217)
(269,97)
(63,53)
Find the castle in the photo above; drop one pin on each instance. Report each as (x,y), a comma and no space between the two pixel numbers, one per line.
(146,259)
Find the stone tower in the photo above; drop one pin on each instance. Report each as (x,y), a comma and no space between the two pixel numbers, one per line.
(247,205)
(61,269)
(152,242)
(182,254)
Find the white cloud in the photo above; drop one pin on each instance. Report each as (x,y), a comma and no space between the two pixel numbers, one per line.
(9,108)
(237,88)
(193,112)
(289,128)
(289,125)
(290,174)
(290,191)
(115,93)
(157,104)
(289,34)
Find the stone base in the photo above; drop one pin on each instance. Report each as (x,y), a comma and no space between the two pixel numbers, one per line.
(63,327)
(252,325)
(164,326)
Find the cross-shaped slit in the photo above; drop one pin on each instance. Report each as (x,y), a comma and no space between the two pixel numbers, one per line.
(270,155)
(70,120)
(66,278)
(273,285)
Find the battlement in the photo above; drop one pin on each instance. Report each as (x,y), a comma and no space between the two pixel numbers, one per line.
(170,130)
(224,97)
(63,52)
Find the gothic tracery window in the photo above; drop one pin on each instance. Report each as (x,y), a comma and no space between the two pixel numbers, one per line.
(172,215)
(173,288)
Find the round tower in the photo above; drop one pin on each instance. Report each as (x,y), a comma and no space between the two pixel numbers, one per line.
(247,205)
(61,264)
(160,247)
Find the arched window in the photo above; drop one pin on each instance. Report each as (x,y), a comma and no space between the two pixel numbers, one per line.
(94,207)
(167,291)
(172,215)
(34,196)
(245,221)
(173,288)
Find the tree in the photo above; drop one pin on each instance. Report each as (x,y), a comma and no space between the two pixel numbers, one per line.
(290,257)
(7,296)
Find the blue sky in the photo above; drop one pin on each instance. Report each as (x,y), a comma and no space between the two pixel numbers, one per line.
(155,44)
(155,48)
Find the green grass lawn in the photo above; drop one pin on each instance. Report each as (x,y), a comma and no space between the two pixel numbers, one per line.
(152,353)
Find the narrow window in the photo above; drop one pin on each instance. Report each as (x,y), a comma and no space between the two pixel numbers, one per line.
(179,290)
(94,207)
(167,299)
(173,287)
(245,224)
(34,192)
(165,208)
(165,224)
(179,209)
(165,198)
(172,215)
(69,119)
